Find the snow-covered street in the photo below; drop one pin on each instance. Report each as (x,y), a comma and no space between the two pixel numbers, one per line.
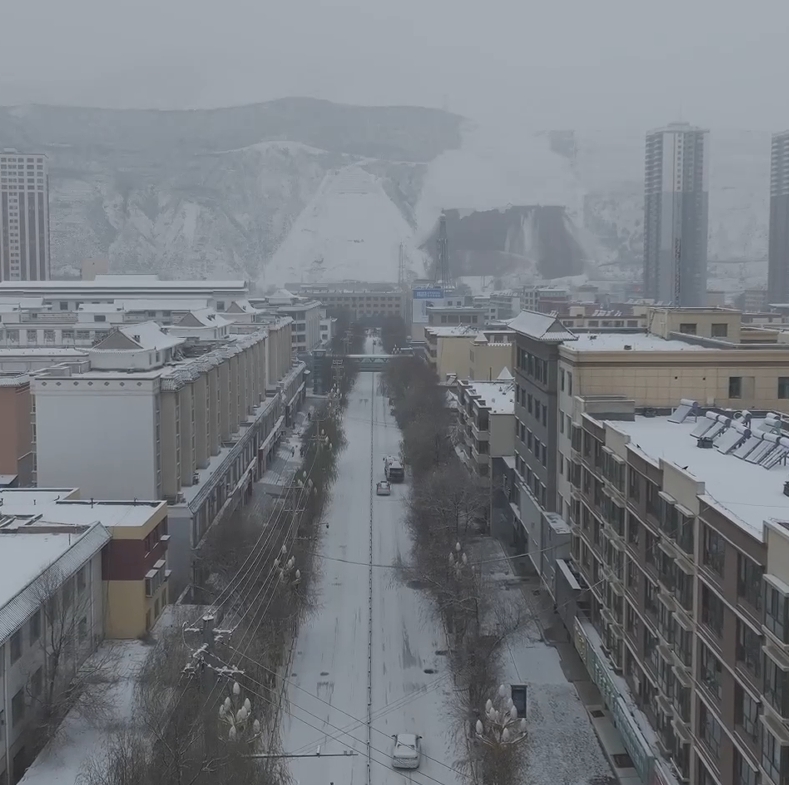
(326,701)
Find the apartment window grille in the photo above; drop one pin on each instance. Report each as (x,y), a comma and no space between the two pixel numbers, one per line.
(714,554)
(775,613)
(710,672)
(749,581)
(712,611)
(710,731)
(746,712)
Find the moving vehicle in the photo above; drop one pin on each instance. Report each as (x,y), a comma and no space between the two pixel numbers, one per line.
(393,469)
(383,488)
(406,751)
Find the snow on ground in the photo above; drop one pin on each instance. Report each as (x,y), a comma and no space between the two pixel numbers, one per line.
(350,229)
(562,747)
(326,698)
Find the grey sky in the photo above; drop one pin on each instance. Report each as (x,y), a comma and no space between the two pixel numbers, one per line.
(553,63)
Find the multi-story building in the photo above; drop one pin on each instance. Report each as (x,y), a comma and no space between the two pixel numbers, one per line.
(69,295)
(51,600)
(778,254)
(361,300)
(468,352)
(306,315)
(24,217)
(486,412)
(680,541)
(676,215)
(156,417)
(17,459)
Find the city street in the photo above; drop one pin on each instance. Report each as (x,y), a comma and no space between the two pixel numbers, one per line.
(365,665)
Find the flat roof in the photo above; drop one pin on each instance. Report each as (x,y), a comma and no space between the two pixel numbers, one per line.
(641,342)
(53,507)
(498,396)
(748,493)
(24,556)
(121,282)
(23,352)
(449,330)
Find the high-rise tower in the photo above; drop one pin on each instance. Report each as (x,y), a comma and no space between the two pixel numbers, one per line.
(24,217)
(778,271)
(676,206)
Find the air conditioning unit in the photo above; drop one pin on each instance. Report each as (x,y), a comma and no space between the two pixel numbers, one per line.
(705,442)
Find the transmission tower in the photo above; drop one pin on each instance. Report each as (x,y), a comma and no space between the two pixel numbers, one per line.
(442,258)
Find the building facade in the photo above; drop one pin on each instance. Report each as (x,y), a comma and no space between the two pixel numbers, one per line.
(676,215)
(17,457)
(778,254)
(24,217)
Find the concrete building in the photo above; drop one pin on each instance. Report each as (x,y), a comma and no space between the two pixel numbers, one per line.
(24,217)
(680,541)
(90,268)
(306,316)
(17,458)
(69,295)
(487,419)
(24,360)
(51,598)
(676,215)
(778,254)
(468,352)
(361,300)
(157,417)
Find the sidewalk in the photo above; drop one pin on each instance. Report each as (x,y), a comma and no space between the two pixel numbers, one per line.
(572,740)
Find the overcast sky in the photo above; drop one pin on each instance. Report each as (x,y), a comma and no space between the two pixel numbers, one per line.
(550,63)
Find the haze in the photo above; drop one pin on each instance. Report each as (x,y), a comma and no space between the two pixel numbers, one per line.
(550,64)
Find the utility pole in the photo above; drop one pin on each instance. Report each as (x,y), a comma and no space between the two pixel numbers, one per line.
(442,256)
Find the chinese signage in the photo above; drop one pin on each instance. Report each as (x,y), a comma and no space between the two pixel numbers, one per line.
(421,299)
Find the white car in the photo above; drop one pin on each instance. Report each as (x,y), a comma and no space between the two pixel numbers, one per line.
(406,751)
(383,488)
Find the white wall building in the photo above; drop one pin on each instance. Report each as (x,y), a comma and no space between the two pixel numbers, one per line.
(39,560)
(151,416)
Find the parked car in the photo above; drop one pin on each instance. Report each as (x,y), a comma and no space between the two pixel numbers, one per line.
(383,488)
(393,469)
(406,751)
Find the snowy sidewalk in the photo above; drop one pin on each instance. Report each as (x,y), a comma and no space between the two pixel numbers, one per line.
(562,747)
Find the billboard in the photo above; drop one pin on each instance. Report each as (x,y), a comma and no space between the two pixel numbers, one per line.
(421,297)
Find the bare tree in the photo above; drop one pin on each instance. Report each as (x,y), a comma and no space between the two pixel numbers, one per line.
(68,669)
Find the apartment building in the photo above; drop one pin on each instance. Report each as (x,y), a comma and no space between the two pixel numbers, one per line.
(69,295)
(680,538)
(469,353)
(362,300)
(24,216)
(305,314)
(487,419)
(778,255)
(17,459)
(159,417)
(51,599)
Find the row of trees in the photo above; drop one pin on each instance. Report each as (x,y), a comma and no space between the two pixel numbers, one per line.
(264,575)
(447,511)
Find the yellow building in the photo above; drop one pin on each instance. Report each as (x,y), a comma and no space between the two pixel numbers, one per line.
(468,352)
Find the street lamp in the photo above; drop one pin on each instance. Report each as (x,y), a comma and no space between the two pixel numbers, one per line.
(236,716)
(458,559)
(501,727)
(286,569)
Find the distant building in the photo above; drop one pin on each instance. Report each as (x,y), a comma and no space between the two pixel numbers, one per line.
(676,215)
(17,458)
(778,270)
(24,217)
(90,268)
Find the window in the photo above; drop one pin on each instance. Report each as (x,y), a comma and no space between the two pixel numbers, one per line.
(735,387)
(569,384)
(689,328)
(775,613)
(749,581)
(35,627)
(81,580)
(746,712)
(783,387)
(82,629)
(650,546)
(775,760)
(633,529)
(776,687)
(711,610)
(709,731)
(743,773)
(720,330)
(529,403)
(633,483)
(37,683)
(32,336)
(537,409)
(561,379)
(714,551)
(18,708)
(710,672)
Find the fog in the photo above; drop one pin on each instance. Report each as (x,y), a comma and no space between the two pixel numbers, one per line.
(549,64)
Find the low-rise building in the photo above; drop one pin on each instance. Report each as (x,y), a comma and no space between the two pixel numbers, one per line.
(680,542)
(364,301)
(17,458)
(51,619)
(487,420)
(468,352)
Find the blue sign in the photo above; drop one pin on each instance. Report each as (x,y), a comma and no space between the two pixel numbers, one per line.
(428,294)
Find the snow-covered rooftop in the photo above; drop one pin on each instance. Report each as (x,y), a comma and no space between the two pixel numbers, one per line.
(63,506)
(113,307)
(498,396)
(639,342)
(749,493)
(208,317)
(162,305)
(541,327)
(453,330)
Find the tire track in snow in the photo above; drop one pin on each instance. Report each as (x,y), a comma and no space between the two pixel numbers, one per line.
(373,378)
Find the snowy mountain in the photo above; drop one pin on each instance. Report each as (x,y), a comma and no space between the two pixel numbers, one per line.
(300,189)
